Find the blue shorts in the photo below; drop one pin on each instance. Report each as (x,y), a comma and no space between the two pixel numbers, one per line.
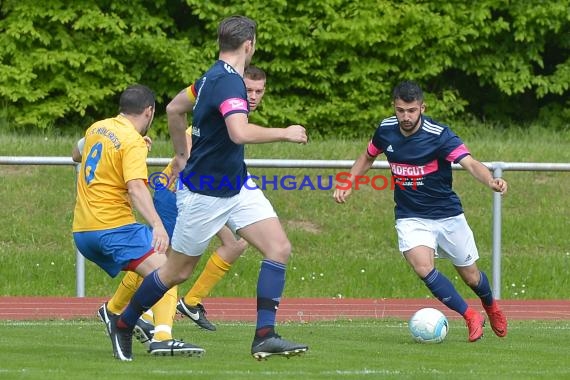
(165,205)
(114,248)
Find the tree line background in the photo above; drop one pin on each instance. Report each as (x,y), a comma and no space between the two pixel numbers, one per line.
(331,64)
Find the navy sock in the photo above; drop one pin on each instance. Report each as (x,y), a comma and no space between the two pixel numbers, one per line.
(483,290)
(270,285)
(150,291)
(443,290)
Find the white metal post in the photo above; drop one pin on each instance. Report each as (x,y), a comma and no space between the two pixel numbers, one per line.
(79,259)
(497,199)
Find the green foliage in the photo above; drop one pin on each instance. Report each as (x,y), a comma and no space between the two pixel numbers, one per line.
(331,64)
(64,62)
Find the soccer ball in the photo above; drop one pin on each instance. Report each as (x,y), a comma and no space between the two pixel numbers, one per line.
(428,326)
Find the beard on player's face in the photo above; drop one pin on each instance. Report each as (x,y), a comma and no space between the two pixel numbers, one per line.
(410,124)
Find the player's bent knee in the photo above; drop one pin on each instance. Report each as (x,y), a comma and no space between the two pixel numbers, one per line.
(280,252)
(174,273)
(170,279)
(241,245)
(231,252)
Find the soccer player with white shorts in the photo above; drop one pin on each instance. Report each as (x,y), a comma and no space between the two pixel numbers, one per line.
(213,176)
(149,328)
(429,216)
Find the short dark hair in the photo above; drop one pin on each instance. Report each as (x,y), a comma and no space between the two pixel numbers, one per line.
(254,73)
(234,31)
(135,99)
(408,91)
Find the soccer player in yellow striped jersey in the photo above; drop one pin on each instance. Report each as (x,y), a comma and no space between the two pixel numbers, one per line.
(111,181)
(222,258)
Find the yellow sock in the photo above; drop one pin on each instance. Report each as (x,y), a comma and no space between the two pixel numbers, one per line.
(129,284)
(164,311)
(148,316)
(215,269)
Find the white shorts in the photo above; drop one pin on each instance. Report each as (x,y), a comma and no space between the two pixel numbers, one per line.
(450,238)
(200,217)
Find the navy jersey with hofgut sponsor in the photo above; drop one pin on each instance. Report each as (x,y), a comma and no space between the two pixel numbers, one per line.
(421,163)
(216,166)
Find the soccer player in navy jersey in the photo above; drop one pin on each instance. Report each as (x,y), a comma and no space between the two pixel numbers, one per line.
(429,217)
(217,266)
(214,193)
(221,260)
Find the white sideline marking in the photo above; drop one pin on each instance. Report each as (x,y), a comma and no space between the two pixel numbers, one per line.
(364,371)
(342,373)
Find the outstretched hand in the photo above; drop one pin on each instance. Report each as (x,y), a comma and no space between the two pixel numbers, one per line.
(178,164)
(160,241)
(340,195)
(148,142)
(499,185)
(296,133)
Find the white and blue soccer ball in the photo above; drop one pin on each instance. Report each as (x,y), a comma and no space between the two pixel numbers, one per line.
(428,325)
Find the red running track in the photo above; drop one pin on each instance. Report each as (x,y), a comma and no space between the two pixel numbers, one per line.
(293,309)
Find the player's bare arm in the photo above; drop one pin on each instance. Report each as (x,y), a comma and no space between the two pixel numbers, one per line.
(76,154)
(360,167)
(483,175)
(243,132)
(177,114)
(142,202)
(77,150)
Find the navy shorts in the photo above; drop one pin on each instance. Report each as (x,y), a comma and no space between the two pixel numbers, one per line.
(165,205)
